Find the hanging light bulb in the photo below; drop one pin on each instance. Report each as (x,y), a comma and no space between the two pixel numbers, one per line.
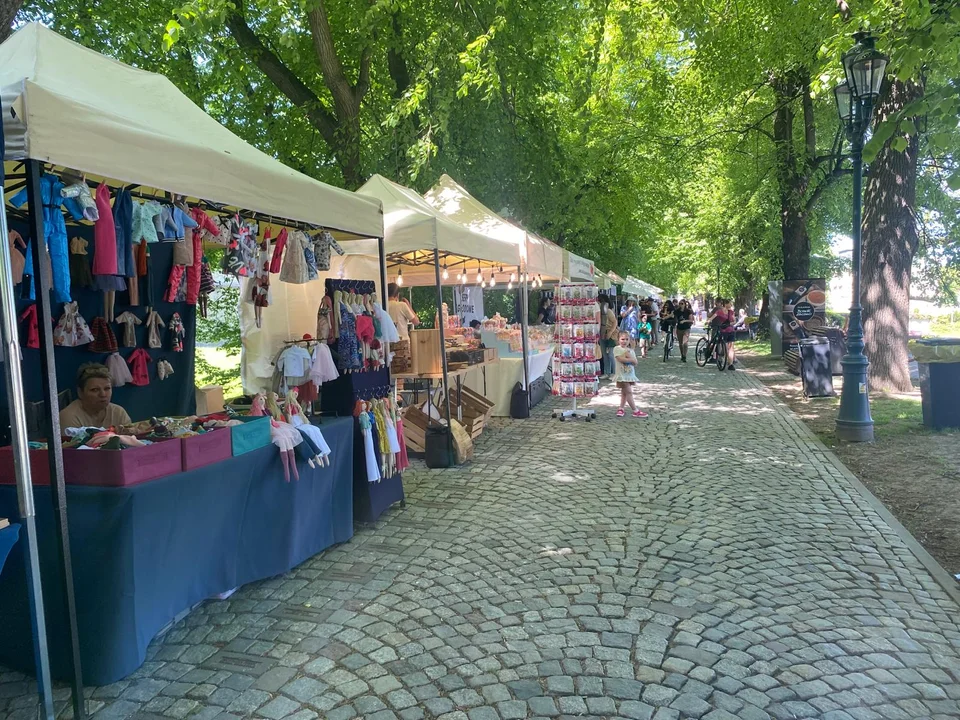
(513,278)
(510,284)
(446,273)
(400,278)
(463,277)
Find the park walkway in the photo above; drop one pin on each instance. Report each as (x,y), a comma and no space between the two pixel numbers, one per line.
(712,561)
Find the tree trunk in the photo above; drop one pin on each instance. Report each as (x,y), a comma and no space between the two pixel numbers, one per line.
(8,13)
(764,323)
(792,175)
(890,241)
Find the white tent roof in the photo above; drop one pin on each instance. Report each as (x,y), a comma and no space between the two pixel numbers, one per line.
(411,225)
(453,201)
(576,267)
(76,108)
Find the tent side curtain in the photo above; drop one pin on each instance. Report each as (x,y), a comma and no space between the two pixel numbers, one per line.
(68,105)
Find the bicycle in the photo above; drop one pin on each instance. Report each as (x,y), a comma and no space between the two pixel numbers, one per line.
(712,350)
(668,340)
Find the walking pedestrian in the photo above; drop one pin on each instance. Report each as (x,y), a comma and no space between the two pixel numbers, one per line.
(684,316)
(626,375)
(643,334)
(608,336)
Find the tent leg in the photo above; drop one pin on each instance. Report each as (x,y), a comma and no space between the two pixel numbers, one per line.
(21,455)
(48,374)
(443,352)
(524,328)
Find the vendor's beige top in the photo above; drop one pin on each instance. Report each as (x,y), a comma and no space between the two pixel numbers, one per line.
(73,415)
(401,314)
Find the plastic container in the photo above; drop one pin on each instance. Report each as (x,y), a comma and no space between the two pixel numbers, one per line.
(39,467)
(120,468)
(252,435)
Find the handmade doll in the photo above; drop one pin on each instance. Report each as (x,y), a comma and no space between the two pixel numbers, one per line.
(369,450)
(176,333)
(207,286)
(311,433)
(284,436)
(403,462)
(256,405)
(260,282)
(71,329)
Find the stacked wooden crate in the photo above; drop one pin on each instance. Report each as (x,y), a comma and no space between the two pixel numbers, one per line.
(475,408)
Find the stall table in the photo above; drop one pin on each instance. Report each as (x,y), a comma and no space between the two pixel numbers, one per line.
(498,384)
(144,554)
(458,375)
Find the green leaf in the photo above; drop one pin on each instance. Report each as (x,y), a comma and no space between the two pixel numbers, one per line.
(899,144)
(953,182)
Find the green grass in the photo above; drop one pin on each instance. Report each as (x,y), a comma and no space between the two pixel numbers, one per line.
(895,414)
(945,328)
(216,367)
(759,348)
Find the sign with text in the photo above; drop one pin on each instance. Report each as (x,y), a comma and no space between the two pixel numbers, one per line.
(804,308)
(468,302)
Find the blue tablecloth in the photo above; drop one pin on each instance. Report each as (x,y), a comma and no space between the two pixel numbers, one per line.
(144,554)
(8,538)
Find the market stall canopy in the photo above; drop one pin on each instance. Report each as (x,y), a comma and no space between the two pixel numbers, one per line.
(452,200)
(635,286)
(578,268)
(615,279)
(413,228)
(602,280)
(68,105)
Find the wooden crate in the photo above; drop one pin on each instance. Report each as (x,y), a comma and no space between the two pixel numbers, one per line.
(415,424)
(476,403)
(425,352)
(402,361)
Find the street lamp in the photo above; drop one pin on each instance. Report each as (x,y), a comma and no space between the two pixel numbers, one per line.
(864,67)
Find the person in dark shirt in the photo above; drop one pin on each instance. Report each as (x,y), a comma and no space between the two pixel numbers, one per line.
(548,314)
(684,317)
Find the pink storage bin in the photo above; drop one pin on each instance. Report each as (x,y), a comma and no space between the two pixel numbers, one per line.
(120,468)
(206,449)
(39,467)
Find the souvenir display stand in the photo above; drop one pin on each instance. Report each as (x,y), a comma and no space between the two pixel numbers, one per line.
(141,548)
(576,361)
(378,486)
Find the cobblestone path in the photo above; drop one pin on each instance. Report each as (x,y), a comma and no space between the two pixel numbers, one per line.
(710,562)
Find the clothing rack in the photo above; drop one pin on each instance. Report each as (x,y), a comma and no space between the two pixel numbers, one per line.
(372,393)
(360,287)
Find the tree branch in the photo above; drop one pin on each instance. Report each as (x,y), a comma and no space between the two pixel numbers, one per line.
(831,177)
(809,120)
(282,76)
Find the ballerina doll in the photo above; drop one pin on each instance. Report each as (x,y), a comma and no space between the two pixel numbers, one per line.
(284,436)
(312,436)
(369,450)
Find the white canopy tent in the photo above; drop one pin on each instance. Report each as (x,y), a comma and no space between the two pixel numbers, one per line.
(416,234)
(635,286)
(578,268)
(68,105)
(540,256)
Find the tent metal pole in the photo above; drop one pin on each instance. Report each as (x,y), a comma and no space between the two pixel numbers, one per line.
(48,375)
(383,272)
(443,351)
(13,377)
(524,330)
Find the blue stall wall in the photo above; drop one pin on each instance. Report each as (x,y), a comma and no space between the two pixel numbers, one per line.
(173,396)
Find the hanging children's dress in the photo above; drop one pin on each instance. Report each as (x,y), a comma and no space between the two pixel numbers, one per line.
(153,324)
(138,367)
(348,348)
(129,322)
(123,224)
(207,286)
(322,368)
(260,281)
(55,233)
(119,372)
(322,244)
(71,329)
(205,226)
(80,276)
(294,268)
(29,317)
(275,261)
(104,341)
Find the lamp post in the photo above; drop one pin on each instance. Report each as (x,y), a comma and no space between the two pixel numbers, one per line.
(864,67)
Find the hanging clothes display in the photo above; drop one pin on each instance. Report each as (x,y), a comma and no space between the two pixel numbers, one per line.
(119,372)
(54,231)
(29,318)
(17,259)
(80,276)
(207,286)
(144,229)
(275,261)
(104,236)
(348,348)
(71,329)
(294,269)
(204,226)
(138,367)
(323,243)
(176,333)
(104,341)
(153,324)
(129,321)
(123,225)
(323,368)
(81,192)
(260,281)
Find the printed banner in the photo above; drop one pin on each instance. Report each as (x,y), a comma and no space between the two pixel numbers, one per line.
(468,303)
(804,308)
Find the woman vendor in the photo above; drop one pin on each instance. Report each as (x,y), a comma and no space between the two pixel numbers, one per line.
(93,408)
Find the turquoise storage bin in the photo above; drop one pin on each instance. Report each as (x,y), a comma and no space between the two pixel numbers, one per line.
(252,435)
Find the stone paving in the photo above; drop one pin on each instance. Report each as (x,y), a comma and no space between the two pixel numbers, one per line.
(709,562)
